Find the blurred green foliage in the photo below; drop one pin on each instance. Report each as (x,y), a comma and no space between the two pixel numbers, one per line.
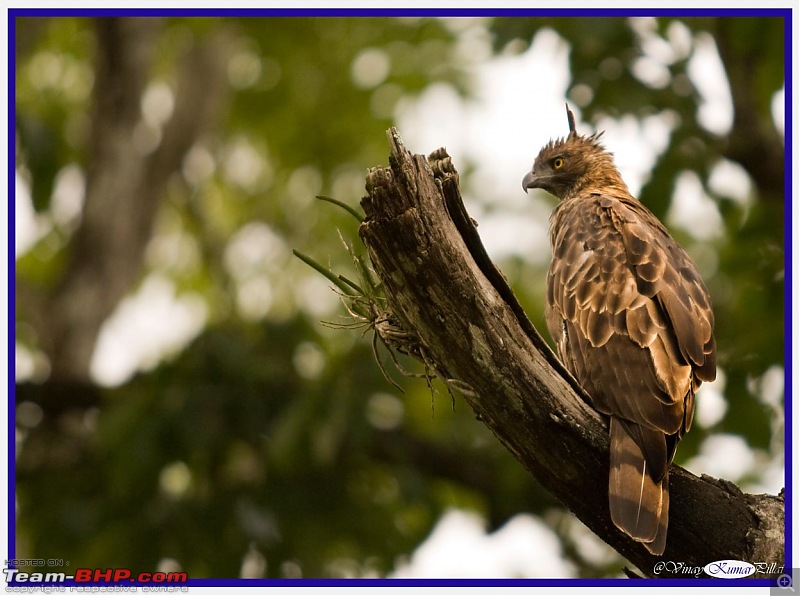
(270,431)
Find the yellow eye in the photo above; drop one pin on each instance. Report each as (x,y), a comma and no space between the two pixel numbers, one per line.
(558,163)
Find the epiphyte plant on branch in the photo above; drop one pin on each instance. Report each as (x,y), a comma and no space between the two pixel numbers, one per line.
(632,321)
(367,308)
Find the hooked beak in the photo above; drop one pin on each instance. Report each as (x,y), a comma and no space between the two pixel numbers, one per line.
(530,181)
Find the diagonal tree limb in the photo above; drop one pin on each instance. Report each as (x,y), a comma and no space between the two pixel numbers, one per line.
(444,289)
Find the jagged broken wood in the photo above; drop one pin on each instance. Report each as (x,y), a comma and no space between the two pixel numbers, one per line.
(443,288)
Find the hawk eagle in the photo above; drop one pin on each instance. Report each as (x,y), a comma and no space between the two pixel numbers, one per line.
(632,321)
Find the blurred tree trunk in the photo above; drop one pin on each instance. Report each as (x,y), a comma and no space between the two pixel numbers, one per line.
(756,144)
(126,183)
(445,291)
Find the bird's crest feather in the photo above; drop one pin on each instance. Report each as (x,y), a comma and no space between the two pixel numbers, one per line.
(571,121)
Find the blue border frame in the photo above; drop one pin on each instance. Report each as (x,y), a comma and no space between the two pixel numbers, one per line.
(788,206)
(12,319)
(442,583)
(403,12)
(785,13)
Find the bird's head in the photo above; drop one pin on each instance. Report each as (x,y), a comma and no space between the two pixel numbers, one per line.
(573,164)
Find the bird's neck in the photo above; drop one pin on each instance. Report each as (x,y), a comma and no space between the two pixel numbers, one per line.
(610,183)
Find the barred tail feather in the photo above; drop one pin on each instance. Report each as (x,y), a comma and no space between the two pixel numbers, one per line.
(639,505)
(658,544)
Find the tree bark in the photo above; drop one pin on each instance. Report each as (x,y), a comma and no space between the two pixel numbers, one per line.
(445,291)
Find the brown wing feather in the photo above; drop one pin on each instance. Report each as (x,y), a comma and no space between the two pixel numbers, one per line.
(617,273)
(666,273)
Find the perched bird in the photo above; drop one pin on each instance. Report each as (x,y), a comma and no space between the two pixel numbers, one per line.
(632,321)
